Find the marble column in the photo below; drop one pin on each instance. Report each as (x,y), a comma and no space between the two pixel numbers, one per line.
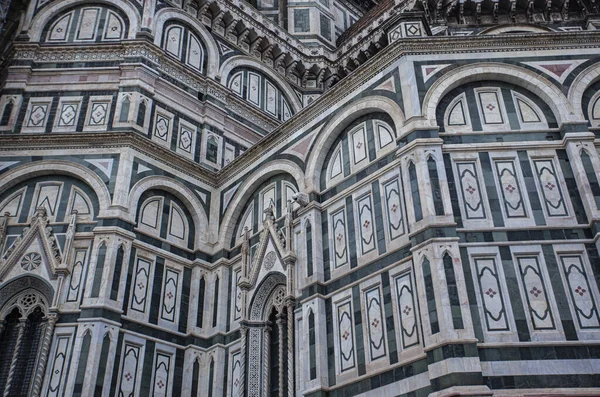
(280,327)
(290,348)
(46,341)
(15,357)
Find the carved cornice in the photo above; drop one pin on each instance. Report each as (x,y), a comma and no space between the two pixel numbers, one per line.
(399,49)
(127,51)
(107,140)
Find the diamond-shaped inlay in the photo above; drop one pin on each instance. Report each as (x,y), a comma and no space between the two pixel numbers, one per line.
(490,292)
(407,310)
(550,186)
(490,107)
(366,224)
(140,285)
(375,323)
(413,30)
(510,188)
(535,292)
(579,290)
(160,384)
(471,189)
(170,295)
(38,114)
(128,376)
(340,236)
(394,208)
(346,335)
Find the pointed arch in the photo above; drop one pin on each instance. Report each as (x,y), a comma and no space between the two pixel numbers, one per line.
(328,134)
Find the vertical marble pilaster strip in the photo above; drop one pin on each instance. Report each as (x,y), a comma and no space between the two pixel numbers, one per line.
(266,354)
(15,357)
(39,371)
(280,325)
(290,345)
(243,335)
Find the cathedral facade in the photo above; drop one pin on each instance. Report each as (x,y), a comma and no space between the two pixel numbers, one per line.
(216,198)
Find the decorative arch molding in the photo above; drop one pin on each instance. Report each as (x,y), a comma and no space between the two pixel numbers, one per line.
(166,14)
(60,167)
(587,77)
(519,28)
(39,22)
(245,61)
(517,75)
(327,135)
(179,190)
(15,286)
(261,299)
(247,188)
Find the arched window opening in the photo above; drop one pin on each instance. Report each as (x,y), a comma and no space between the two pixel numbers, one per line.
(312,346)
(457,320)
(141,116)
(114,291)
(6,114)
(102,367)
(309,250)
(99,271)
(21,337)
(216,303)
(81,369)
(200,312)
(211,375)
(195,378)
(436,192)
(124,115)
(414,189)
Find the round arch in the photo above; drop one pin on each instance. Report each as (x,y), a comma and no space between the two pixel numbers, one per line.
(60,167)
(37,25)
(587,77)
(323,142)
(517,28)
(247,188)
(520,76)
(182,192)
(242,60)
(212,52)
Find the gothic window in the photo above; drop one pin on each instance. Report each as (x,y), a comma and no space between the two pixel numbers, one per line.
(21,338)
(211,376)
(124,114)
(430,295)
(104,350)
(216,303)
(212,149)
(436,192)
(99,270)
(141,116)
(309,249)
(195,378)
(261,92)
(6,114)
(312,359)
(83,359)
(365,140)
(200,311)
(87,24)
(414,189)
(457,320)
(184,44)
(114,291)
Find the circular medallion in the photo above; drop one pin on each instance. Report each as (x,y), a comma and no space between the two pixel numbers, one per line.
(270,259)
(31,261)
